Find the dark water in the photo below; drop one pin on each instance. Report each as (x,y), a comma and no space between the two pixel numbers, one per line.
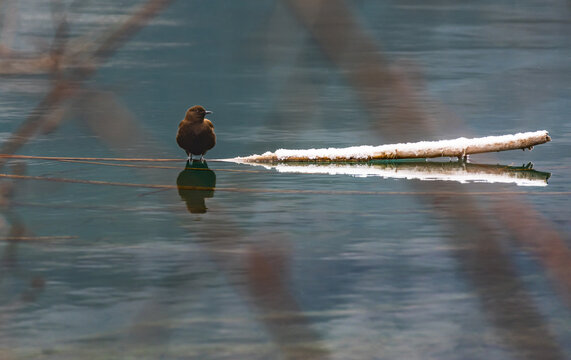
(118,260)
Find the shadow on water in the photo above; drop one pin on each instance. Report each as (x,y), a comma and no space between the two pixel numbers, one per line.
(196,183)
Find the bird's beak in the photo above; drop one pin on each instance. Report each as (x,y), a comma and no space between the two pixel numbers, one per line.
(208,112)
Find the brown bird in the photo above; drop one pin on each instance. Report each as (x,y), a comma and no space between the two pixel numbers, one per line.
(195,133)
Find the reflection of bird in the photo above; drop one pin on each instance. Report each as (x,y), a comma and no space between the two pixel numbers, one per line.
(195,183)
(195,133)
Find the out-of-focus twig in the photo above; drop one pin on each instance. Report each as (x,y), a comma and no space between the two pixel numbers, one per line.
(108,119)
(504,298)
(60,37)
(394,106)
(27,65)
(50,110)
(69,85)
(8,17)
(533,233)
(266,271)
(380,87)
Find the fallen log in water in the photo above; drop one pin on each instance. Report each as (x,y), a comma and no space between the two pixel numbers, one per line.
(461,148)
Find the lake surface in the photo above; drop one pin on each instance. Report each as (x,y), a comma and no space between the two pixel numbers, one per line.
(161,259)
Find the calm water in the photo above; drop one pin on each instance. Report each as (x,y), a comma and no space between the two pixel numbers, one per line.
(120,260)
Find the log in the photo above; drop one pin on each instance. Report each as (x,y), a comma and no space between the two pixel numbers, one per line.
(461,148)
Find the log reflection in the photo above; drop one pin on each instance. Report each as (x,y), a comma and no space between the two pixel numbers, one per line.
(426,171)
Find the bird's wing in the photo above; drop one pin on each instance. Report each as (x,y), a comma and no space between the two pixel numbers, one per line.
(209,123)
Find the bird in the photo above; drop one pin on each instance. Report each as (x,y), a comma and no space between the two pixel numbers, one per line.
(195,134)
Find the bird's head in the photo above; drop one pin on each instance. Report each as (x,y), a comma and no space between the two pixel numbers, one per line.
(196,113)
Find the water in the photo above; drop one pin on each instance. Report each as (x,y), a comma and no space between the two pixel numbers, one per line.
(121,262)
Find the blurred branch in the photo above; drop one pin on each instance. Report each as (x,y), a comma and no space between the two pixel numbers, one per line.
(357,56)
(25,64)
(68,86)
(393,103)
(61,35)
(533,231)
(266,271)
(108,119)
(8,16)
(47,115)
(504,298)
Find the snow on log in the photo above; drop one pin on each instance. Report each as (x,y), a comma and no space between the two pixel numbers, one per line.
(460,148)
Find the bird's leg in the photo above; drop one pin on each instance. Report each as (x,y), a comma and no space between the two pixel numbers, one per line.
(202,158)
(189,157)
